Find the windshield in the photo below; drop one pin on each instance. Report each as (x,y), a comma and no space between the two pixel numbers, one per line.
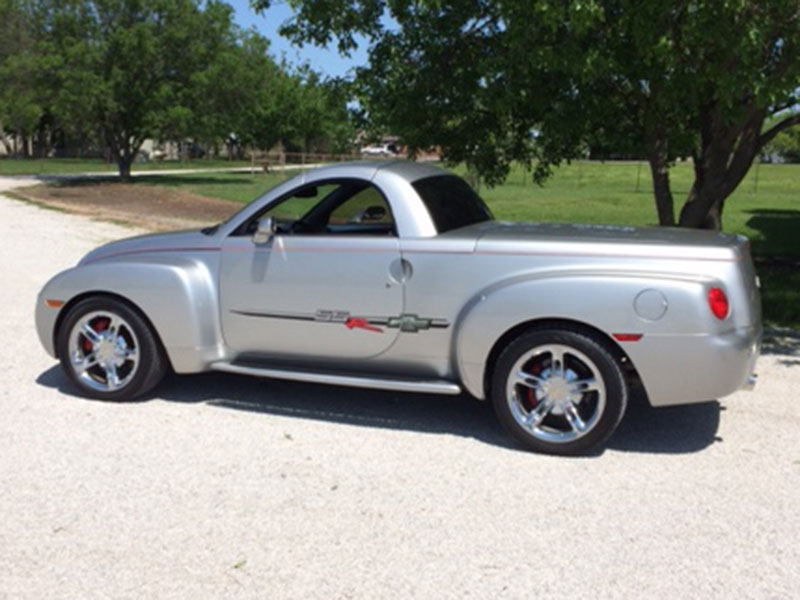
(451,202)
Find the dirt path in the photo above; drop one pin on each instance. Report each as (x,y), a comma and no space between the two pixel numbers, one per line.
(228,487)
(154,208)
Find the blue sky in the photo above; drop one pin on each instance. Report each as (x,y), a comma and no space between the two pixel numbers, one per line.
(324,60)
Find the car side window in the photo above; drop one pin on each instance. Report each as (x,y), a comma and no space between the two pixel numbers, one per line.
(295,207)
(365,207)
(344,207)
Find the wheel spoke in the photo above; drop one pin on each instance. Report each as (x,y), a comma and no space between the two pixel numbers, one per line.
(82,364)
(131,354)
(112,377)
(90,333)
(538,414)
(113,327)
(529,380)
(575,421)
(589,384)
(557,362)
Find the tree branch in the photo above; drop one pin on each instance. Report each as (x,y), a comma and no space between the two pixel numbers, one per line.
(769,134)
(793,101)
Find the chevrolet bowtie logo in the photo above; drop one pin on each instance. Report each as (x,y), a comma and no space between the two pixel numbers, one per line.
(413,323)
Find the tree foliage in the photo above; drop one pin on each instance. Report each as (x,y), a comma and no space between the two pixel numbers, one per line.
(131,65)
(785,146)
(22,102)
(537,80)
(122,71)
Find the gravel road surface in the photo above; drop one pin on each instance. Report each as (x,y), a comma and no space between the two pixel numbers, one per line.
(229,487)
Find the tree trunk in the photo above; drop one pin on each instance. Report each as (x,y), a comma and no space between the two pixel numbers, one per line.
(5,141)
(124,168)
(714,218)
(726,155)
(124,157)
(665,206)
(702,210)
(41,142)
(124,149)
(659,169)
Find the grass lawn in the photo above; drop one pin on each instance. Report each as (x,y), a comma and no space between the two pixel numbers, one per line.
(67,166)
(766,209)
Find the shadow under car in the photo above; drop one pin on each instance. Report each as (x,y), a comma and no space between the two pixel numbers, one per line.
(672,430)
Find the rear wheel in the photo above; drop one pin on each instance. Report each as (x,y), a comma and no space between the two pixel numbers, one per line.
(109,351)
(558,391)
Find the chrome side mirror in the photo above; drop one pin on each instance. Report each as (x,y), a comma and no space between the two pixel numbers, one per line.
(264,231)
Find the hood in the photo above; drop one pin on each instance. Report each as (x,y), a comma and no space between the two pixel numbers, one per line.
(661,241)
(167,242)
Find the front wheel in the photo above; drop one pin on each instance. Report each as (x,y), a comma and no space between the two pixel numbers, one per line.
(109,351)
(558,391)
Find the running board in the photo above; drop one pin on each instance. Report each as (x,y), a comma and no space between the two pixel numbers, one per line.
(431,386)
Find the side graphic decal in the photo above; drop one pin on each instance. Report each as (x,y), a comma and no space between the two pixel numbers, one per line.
(406,323)
(355,322)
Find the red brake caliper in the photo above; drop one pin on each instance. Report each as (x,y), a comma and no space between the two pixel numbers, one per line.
(532,399)
(99,325)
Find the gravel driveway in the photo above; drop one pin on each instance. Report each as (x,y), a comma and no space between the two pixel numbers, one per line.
(232,487)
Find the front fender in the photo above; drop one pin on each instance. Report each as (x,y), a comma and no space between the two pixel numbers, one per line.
(177,295)
(603,301)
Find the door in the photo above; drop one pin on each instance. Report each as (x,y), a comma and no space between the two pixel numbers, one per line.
(326,283)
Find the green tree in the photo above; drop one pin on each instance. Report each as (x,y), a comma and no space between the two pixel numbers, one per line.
(320,120)
(536,80)
(239,95)
(130,67)
(22,101)
(246,95)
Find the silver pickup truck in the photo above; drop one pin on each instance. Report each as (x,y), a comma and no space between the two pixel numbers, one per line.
(395,276)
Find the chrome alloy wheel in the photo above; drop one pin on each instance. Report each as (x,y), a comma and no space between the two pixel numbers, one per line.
(103,351)
(556,393)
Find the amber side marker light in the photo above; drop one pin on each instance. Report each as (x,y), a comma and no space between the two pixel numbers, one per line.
(54,303)
(718,303)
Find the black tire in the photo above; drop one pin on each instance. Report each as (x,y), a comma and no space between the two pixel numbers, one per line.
(152,363)
(592,347)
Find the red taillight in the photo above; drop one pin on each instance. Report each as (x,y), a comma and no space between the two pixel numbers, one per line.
(718,303)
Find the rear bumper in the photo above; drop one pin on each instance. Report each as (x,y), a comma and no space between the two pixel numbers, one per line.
(685,369)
